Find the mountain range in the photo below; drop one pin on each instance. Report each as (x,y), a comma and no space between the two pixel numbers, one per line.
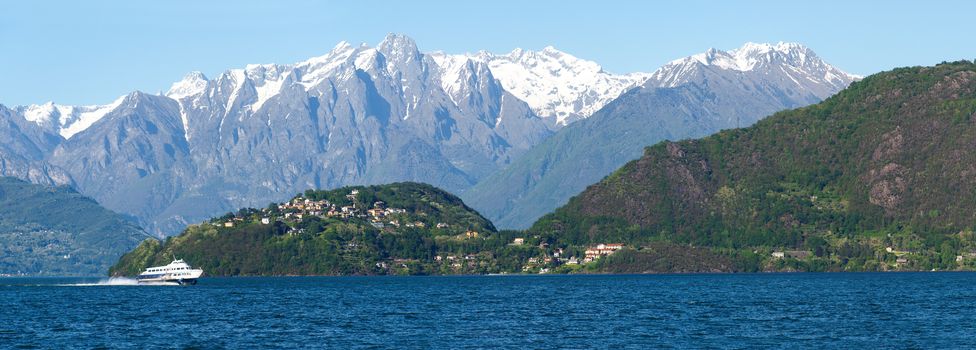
(366,115)
(687,98)
(878,177)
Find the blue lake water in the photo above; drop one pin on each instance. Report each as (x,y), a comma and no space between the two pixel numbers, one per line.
(869,310)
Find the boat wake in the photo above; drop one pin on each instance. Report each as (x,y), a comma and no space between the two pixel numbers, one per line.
(121,281)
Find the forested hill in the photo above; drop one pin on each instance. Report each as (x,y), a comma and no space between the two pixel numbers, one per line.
(395,228)
(57,231)
(880,176)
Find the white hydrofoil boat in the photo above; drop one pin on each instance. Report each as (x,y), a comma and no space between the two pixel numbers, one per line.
(177,271)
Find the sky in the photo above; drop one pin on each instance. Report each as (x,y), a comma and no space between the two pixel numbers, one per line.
(91,52)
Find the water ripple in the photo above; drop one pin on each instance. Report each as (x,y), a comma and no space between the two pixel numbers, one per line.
(927,310)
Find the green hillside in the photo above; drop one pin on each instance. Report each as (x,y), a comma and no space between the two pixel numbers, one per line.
(56,231)
(881,176)
(399,228)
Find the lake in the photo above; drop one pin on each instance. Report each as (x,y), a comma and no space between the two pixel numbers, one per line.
(846,310)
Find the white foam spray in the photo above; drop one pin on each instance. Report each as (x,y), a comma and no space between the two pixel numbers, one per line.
(122,281)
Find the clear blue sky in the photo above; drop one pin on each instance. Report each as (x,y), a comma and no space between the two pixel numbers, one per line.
(90,52)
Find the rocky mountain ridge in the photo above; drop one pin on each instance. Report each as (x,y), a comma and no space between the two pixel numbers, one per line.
(356,115)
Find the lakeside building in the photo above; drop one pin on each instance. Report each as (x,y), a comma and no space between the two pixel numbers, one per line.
(601,250)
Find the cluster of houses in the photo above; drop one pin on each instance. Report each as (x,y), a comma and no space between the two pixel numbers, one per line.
(455,261)
(557,256)
(458,261)
(793,254)
(902,256)
(301,207)
(600,250)
(379,215)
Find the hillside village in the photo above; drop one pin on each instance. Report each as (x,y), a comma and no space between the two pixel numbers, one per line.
(451,244)
(300,209)
(461,248)
(410,229)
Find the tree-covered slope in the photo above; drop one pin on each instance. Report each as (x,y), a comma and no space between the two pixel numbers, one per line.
(56,231)
(386,229)
(879,176)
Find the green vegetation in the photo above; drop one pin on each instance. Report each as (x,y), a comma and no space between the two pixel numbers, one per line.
(422,230)
(56,231)
(878,177)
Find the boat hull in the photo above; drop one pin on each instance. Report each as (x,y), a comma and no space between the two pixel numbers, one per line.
(180,281)
(183,277)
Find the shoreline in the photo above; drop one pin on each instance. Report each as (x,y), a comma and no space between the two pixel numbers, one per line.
(595,274)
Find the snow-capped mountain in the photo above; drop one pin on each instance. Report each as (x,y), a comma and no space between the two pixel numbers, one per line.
(23,148)
(358,114)
(558,86)
(791,62)
(66,120)
(687,98)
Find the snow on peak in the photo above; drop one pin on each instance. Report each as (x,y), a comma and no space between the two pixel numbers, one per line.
(553,83)
(366,59)
(67,120)
(81,118)
(749,56)
(317,69)
(43,115)
(343,49)
(796,61)
(401,54)
(458,72)
(397,44)
(268,81)
(193,84)
(556,85)
(342,46)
